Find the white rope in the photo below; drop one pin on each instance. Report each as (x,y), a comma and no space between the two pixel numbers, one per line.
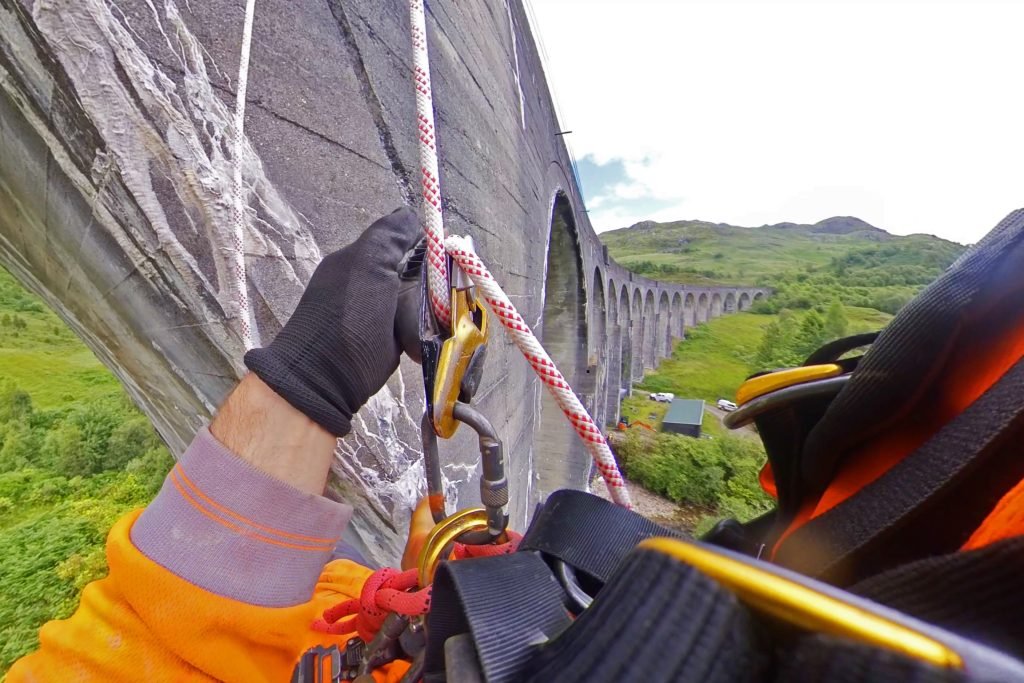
(433,222)
(237,285)
(463,254)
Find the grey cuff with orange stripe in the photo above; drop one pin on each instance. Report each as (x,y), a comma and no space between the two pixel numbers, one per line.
(233,530)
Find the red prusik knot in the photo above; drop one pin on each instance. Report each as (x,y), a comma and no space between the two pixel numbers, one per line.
(387,590)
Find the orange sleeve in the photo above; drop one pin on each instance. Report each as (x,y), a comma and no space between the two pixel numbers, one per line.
(219,578)
(143,623)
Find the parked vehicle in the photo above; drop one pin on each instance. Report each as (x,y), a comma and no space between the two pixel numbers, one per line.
(727,406)
(662,397)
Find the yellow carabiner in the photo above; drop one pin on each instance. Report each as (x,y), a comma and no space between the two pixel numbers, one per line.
(469,335)
(780,379)
(443,535)
(803,606)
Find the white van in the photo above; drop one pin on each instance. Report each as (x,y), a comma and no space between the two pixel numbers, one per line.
(727,406)
(663,397)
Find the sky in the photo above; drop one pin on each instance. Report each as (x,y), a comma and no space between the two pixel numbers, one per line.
(908,114)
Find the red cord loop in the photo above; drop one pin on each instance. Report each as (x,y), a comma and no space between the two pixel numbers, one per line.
(489,550)
(387,590)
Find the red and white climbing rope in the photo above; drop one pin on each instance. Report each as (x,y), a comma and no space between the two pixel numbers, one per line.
(462,252)
(430,181)
(237,285)
(523,336)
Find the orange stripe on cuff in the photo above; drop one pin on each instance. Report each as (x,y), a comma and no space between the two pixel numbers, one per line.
(240,530)
(245,520)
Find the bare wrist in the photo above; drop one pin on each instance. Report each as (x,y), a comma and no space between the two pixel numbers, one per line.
(266,431)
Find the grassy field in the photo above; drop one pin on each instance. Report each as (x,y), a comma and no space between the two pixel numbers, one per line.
(42,356)
(716,357)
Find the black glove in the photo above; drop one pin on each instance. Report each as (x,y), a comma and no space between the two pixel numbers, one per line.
(339,347)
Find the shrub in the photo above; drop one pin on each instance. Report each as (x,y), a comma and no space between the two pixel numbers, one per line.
(720,472)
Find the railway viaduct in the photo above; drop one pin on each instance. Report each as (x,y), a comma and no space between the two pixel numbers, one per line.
(605,324)
(118,163)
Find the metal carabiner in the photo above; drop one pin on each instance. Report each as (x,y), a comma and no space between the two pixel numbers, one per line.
(493,483)
(460,362)
(457,527)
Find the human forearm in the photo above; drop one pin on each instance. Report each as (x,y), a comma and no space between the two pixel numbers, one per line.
(268,433)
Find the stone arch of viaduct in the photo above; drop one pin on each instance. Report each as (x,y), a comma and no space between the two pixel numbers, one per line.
(605,325)
(626,322)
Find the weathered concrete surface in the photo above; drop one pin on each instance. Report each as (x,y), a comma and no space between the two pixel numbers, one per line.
(116,154)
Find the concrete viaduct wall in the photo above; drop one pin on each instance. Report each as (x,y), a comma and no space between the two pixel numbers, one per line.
(117,152)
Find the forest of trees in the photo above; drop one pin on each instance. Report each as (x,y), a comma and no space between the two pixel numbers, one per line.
(75,455)
(65,476)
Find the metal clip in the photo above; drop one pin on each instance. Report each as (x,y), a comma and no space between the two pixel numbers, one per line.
(460,362)
(460,525)
(493,483)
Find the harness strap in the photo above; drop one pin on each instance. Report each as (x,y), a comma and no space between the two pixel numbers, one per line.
(908,512)
(903,361)
(588,533)
(657,620)
(660,620)
(507,603)
(511,603)
(975,593)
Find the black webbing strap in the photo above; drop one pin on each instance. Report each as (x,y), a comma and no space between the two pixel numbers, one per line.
(977,594)
(506,603)
(656,620)
(592,535)
(927,504)
(818,657)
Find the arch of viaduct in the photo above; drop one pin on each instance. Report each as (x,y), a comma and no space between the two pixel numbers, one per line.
(616,324)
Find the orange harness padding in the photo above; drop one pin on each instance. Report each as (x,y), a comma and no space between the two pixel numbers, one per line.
(974,365)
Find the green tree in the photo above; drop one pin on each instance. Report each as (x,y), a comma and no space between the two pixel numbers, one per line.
(811,334)
(20,447)
(66,451)
(15,403)
(776,349)
(836,322)
(129,440)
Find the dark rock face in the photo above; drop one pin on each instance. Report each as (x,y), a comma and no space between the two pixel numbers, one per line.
(118,157)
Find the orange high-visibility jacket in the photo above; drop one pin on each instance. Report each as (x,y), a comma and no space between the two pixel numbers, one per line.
(219,578)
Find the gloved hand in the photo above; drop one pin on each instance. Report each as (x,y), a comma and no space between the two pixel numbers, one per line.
(339,347)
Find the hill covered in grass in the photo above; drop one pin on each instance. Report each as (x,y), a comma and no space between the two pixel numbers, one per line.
(75,455)
(841,258)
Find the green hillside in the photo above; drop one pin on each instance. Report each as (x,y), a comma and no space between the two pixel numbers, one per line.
(716,357)
(807,265)
(75,455)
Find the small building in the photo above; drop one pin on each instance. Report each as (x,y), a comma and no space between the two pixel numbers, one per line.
(684,416)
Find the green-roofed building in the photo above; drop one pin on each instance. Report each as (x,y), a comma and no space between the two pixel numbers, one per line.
(685,416)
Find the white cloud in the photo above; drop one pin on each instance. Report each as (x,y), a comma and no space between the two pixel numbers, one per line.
(906,114)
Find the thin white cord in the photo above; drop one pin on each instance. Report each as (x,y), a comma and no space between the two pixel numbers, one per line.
(237,285)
